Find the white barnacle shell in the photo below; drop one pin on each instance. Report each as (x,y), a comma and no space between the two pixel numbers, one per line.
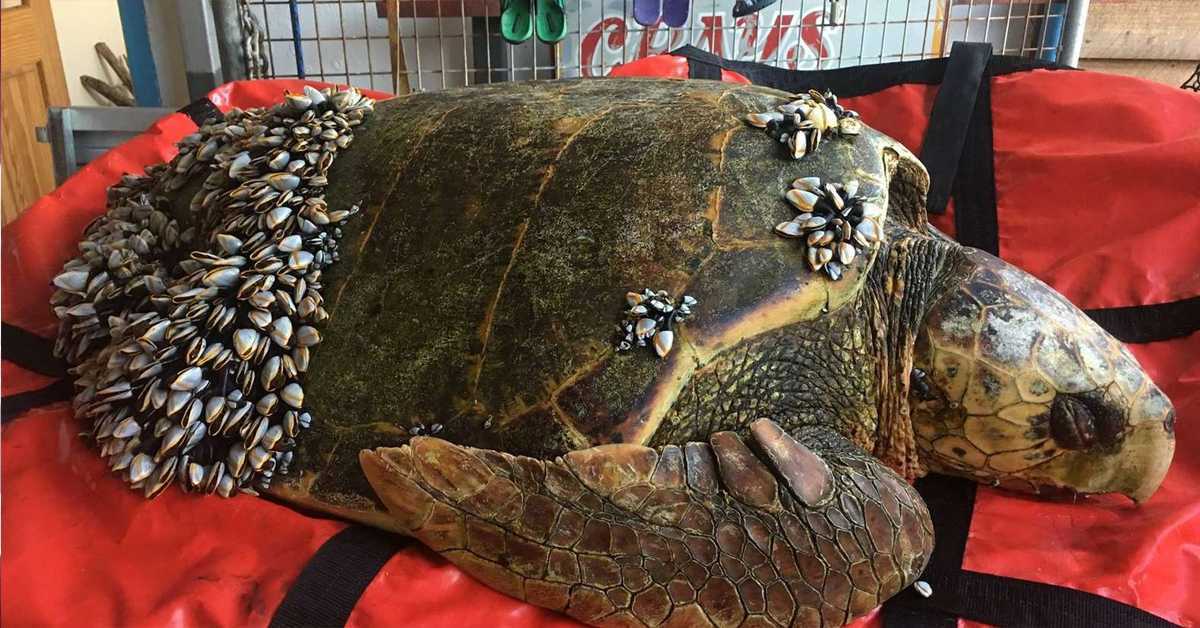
(314,95)
(811,184)
(798,143)
(290,244)
(140,468)
(72,281)
(867,232)
(846,252)
(850,189)
(663,342)
(281,331)
(761,120)
(790,229)
(293,395)
(244,342)
(802,199)
(307,336)
(188,379)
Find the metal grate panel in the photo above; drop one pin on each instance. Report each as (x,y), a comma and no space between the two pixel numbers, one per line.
(402,45)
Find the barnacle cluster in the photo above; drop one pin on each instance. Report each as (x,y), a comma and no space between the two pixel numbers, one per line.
(802,123)
(650,318)
(835,224)
(189,337)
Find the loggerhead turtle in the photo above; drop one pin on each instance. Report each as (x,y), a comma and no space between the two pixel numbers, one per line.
(643,351)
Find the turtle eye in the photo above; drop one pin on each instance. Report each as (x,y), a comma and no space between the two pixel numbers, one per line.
(1082,421)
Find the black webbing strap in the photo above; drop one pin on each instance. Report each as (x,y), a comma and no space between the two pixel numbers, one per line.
(200,110)
(703,69)
(12,406)
(1150,323)
(30,351)
(330,585)
(951,502)
(974,185)
(986,598)
(953,112)
(845,82)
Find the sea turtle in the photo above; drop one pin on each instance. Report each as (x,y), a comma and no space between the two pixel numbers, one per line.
(610,346)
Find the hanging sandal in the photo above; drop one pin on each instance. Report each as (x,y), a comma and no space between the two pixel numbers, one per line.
(551,21)
(675,12)
(647,12)
(742,8)
(516,26)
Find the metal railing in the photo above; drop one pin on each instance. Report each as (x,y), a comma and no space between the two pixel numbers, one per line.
(402,45)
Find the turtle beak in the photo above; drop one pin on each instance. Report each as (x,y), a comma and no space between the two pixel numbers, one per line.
(1132,461)
(1021,389)
(1114,439)
(1135,468)
(1147,465)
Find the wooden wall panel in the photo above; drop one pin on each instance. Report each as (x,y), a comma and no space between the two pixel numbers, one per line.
(31,79)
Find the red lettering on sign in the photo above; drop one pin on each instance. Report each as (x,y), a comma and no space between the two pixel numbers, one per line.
(712,38)
(812,35)
(776,35)
(610,41)
(593,64)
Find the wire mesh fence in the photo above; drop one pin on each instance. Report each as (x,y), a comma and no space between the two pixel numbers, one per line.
(403,45)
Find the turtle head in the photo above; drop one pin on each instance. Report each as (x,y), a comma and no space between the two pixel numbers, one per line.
(1015,386)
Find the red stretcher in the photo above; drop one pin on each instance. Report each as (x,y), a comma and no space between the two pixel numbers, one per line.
(1095,188)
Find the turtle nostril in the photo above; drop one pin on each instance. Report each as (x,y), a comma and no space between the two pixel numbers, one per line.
(1071,423)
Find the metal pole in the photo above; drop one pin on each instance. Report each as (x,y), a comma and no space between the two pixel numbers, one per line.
(229,38)
(141,57)
(200,58)
(295,15)
(1072,37)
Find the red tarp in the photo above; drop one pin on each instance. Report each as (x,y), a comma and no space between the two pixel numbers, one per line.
(1098,185)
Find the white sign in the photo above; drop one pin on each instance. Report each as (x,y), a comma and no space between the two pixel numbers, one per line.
(783,34)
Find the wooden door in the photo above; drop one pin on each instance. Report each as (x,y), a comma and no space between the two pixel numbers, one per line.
(31,79)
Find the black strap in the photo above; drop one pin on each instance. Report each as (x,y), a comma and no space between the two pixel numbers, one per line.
(974,187)
(30,351)
(995,600)
(703,69)
(850,81)
(951,502)
(13,406)
(1150,323)
(953,112)
(1002,601)
(896,615)
(330,585)
(200,110)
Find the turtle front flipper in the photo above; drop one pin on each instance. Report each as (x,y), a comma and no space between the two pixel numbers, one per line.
(798,531)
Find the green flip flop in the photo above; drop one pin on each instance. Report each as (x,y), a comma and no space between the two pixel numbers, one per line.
(551,21)
(515,24)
